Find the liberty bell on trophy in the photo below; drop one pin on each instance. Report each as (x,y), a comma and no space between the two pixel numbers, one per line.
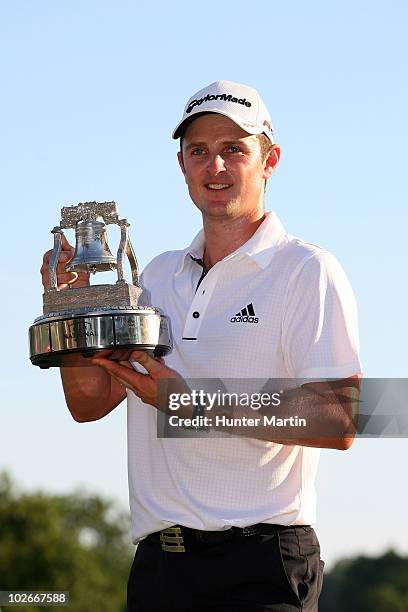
(79,322)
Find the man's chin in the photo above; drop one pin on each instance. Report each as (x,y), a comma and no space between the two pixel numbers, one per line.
(218,209)
(218,203)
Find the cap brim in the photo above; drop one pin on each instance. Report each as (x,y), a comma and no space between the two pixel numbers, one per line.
(250,129)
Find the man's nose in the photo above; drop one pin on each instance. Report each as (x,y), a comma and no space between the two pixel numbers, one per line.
(216,164)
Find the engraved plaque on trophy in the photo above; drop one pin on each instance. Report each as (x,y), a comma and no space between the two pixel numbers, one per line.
(79,322)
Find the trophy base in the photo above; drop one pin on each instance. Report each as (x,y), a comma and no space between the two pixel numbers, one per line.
(69,339)
(121,295)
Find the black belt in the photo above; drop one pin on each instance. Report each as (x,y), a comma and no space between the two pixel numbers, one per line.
(177,538)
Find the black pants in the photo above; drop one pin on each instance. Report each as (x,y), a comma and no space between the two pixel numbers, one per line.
(279,572)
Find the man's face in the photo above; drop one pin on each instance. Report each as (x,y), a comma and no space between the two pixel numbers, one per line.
(223,168)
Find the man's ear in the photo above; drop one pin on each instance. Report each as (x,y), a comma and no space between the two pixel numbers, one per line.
(271,161)
(181,162)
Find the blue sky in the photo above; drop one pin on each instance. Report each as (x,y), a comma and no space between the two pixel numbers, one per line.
(90,94)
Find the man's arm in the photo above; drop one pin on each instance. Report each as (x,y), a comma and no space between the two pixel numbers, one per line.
(90,393)
(347,393)
(318,414)
(328,408)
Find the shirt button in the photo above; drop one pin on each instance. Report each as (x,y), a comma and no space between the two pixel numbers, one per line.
(196,314)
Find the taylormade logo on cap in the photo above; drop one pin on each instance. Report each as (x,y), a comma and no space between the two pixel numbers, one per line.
(240,103)
(223,96)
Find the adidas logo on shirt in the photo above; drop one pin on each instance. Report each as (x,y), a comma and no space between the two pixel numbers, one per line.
(247,315)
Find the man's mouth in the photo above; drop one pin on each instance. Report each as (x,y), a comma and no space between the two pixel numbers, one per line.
(217,186)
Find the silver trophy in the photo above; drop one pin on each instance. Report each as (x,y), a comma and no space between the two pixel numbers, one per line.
(77,323)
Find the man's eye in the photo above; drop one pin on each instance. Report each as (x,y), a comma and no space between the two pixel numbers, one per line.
(197,151)
(233,149)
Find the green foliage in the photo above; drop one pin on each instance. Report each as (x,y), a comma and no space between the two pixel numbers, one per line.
(77,543)
(80,543)
(367,584)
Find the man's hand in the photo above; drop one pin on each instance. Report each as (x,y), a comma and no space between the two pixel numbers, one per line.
(154,387)
(65,280)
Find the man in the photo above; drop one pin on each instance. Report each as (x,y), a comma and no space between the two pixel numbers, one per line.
(223,519)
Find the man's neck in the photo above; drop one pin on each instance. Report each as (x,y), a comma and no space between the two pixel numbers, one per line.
(224,236)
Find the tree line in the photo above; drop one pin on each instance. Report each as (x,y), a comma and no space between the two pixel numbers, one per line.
(81,543)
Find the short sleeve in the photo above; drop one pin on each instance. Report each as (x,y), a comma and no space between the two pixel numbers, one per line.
(319,325)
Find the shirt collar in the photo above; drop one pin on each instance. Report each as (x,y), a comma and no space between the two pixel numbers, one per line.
(260,247)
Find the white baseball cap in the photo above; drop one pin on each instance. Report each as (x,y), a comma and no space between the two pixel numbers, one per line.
(240,103)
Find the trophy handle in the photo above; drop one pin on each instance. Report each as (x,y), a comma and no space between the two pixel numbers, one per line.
(125,248)
(57,231)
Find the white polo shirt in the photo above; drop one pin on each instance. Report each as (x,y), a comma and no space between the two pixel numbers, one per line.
(275,308)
